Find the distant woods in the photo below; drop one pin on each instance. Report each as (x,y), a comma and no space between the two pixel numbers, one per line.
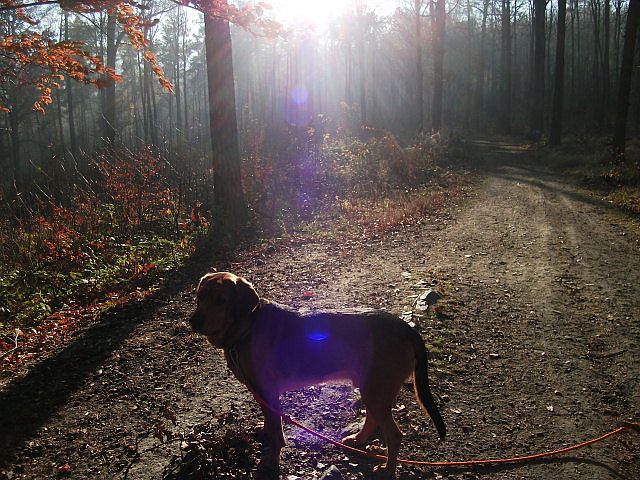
(494,66)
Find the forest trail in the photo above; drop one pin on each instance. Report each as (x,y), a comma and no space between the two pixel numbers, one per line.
(536,345)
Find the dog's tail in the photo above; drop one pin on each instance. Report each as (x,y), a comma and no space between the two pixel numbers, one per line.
(421,385)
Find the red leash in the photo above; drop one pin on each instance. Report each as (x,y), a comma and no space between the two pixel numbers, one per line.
(468,463)
(624,426)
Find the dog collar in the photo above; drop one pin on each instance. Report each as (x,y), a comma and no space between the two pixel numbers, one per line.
(231,356)
(233,339)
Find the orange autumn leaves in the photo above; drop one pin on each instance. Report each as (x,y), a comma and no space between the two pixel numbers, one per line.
(57,61)
(60,60)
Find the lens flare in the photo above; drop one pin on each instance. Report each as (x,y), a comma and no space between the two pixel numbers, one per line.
(318,336)
(299,95)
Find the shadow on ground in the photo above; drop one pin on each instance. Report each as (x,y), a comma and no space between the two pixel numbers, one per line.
(512,160)
(28,402)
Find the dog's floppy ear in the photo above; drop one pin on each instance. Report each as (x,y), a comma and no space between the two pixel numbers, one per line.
(246,298)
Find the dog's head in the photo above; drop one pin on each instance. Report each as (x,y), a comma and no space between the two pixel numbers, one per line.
(223,299)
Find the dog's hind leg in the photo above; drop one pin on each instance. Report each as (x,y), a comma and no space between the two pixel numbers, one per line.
(379,402)
(393,439)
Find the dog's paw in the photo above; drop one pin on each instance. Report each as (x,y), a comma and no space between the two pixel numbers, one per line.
(267,470)
(377,449)
(384,471)
(354,441)
(260,431)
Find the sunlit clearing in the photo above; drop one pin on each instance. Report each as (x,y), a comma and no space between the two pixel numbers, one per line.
(317,13)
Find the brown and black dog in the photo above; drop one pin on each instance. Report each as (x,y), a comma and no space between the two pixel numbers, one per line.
(272,349)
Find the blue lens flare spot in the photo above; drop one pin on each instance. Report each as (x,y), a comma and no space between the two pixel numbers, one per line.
(318,336)
(299,95)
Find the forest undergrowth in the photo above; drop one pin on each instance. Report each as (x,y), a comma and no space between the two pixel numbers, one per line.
(590,163)
(118,233)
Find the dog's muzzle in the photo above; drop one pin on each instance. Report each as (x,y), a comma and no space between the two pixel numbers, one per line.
(196,321)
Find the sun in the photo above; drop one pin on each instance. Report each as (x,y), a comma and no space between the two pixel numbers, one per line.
(317,13)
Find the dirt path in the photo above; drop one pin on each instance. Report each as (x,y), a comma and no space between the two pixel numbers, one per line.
(536,345)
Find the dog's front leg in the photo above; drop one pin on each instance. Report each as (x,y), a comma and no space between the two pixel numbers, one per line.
(271,409)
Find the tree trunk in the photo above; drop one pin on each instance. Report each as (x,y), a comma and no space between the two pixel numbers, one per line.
(142,84)
(348,59)
(572,66)
(626,70)
(617,35)
(71,119)
(16,161)
(577,72)
(481,64)
(537,110)
(469,68)
(606,81)
(555,136)
(178,94)
(515,66)
(597,55)
(178,86)
(109,111)
(439,14)
(185,127)
(506,66)
(361,60)
(419,66)
(231,208)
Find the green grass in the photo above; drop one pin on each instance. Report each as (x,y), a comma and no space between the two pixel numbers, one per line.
(32,291)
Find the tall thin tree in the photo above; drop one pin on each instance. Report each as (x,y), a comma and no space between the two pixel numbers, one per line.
(360,37)
(626,70)
(480,75)
(419,66)
(109,107)
(71,119)
(439,14)
(606,63)
(506,66)
(537,105)
(555,135)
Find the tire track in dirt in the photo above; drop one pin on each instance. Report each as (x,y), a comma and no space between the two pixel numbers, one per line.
(539,264)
